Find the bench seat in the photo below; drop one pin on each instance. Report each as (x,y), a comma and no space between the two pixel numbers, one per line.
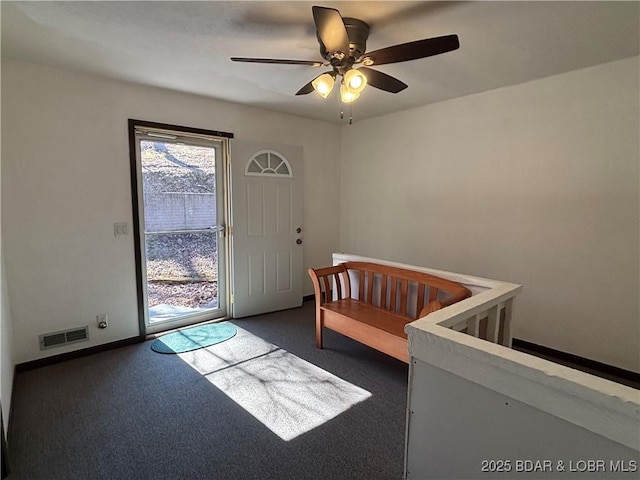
(372,326)
(387,299)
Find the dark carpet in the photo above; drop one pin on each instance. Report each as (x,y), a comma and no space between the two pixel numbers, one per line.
(130,413)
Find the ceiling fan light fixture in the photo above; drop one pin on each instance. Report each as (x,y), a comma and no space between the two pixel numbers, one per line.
(323,84)
(342,43)
(355,81)
(346,95)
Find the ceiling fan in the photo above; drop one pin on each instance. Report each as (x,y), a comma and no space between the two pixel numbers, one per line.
(343,47)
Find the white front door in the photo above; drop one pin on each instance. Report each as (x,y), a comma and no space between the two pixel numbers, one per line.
(267,196)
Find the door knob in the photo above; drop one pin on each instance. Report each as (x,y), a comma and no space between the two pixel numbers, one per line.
(299,241)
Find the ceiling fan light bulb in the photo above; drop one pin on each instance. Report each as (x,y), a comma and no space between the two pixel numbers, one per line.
(323,84)
(346,95)
(355,81)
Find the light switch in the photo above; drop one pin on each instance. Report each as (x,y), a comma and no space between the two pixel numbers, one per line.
(120,229)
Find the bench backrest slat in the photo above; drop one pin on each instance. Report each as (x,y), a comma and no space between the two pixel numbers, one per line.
(327,289)
(383,291)
(421,289)
(404,288)
(433,294)
(361,285)
(338,284)
(370,280)
(394,294)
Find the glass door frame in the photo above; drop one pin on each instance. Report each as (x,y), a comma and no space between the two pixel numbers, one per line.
(138,131)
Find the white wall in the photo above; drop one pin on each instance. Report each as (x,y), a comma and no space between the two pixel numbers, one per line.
(65,181)
(536,184)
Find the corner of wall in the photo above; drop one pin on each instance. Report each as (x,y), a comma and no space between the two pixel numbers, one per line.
(7,364)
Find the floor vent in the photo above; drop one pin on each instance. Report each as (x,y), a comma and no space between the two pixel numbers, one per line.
(56,339)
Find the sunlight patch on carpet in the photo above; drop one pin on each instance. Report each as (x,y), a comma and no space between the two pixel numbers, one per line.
(287,394)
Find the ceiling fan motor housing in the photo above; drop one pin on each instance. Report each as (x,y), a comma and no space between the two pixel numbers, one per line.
(358,33)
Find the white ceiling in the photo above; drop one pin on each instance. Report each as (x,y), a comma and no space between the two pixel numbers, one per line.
(186,46)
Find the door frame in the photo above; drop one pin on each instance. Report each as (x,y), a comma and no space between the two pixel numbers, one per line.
(136,190)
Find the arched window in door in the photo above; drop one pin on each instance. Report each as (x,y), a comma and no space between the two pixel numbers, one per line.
(268,163)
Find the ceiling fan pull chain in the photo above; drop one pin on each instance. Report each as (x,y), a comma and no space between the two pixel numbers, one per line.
(350,114)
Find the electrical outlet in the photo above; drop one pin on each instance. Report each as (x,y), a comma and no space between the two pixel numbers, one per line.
(102,320)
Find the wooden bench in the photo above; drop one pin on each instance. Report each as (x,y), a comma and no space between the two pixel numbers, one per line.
(387,298)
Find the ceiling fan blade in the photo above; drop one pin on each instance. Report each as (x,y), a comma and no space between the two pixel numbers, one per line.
(414,50)
(331,29)
(382,80)
(308,88)
(278,61)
